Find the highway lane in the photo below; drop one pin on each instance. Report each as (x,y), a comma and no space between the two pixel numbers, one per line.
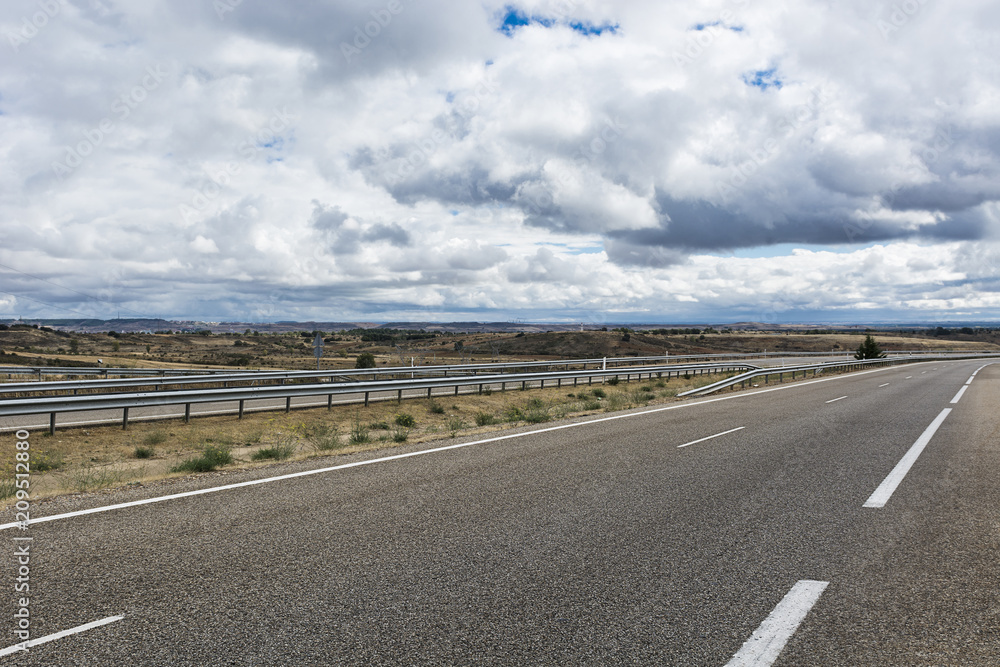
(602,543)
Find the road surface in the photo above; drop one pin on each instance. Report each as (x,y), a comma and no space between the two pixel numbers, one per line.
(669,535)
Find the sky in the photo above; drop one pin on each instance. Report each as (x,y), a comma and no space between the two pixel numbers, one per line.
(543,160)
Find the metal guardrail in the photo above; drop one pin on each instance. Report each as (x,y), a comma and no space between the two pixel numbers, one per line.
(53,405)
(853,364)
(105,372)
(280,377)
(445,368)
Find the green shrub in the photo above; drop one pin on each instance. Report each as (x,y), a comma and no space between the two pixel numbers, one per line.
(45,461)
(379,426)
(614,402)
(278,452)
(455,424)
(513,414)
(592,404)
(485,419)
(218,454)
(599,393)
(613,381)
(143,452)
(406,420)
(400,434)
(154,438)
(436,408)
(322,437)
(359,434)
(537,416)
(211,458)
(365,360)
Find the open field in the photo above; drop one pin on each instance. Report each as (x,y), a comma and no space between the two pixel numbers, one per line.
(27,346)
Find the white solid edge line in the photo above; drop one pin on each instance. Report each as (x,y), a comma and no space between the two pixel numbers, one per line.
(695,442)
(958,396)
(836,399)
(24,646)
(888,486)
(306,473)
(884,385)
(768,640)
(969,381)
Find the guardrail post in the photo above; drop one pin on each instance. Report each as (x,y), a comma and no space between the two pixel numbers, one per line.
(52,423)
(329,402)
(241,409)
(124,418)
(480,389)
(456,390)
(366,399)
(288,404)
(187,413)
(399,397)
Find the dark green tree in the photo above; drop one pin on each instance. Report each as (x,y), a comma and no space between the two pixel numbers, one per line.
(869,349)
(365,360)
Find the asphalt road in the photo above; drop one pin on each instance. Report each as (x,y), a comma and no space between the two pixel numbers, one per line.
(632,540)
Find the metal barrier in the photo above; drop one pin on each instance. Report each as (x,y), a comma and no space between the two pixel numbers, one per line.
(53,405)
(854,364)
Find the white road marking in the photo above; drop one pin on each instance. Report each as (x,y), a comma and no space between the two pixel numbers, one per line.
(971,379)
(884,385)
(24,646)
(834,400)
(305,473)
(768,640)
(695,442)
(908,377)
(888,486)
(958,396)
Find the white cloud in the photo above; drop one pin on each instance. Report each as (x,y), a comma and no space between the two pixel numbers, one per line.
(477,172)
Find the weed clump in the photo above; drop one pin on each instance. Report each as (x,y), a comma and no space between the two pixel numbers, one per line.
(322,437)
(485,419)
(211,458)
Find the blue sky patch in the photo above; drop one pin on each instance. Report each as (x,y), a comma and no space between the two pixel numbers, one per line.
(704,26)
(514,18)
(764,79)
(591,30)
